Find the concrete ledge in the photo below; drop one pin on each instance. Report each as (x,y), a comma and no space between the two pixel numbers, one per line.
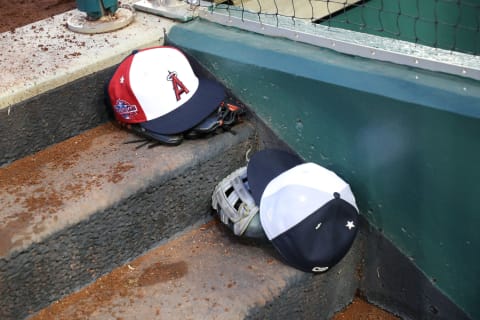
(45,55)
(208,273)
(52,79)
(72,212)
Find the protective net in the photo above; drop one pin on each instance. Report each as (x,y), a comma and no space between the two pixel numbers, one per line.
(445,24)
(412,27)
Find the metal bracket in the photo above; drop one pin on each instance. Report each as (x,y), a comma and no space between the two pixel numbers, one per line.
(81,24)
(173,9)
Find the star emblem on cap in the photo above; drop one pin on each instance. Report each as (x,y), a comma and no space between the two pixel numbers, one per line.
(350,225)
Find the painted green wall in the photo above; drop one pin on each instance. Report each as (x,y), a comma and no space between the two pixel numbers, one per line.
(407,141)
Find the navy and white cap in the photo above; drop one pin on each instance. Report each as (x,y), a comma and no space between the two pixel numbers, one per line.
(307,211)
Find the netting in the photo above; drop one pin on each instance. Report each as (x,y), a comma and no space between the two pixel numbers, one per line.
(445,24)
(413,32)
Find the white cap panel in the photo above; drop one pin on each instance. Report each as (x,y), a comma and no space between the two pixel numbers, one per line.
(296,193)
(151,80)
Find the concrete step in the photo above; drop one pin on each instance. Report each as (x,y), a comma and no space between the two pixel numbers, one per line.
(74,211)
(207,273)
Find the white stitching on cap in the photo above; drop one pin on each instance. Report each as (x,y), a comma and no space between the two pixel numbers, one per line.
(319,269)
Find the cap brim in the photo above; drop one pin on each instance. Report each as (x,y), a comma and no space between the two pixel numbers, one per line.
(311,248)
(206,99)
(265,165)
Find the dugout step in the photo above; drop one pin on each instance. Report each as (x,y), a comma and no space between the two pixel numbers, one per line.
(76,210)
(208,273)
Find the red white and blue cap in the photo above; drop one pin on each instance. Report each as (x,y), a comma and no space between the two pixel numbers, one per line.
(158,89)
(307,211)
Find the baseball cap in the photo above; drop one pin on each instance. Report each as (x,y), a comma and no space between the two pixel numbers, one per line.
(158,89)
(307,211)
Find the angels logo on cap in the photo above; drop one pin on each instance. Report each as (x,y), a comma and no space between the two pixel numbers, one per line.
(307,211)
(158,89)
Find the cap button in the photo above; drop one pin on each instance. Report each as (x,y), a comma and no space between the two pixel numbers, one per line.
(336,195)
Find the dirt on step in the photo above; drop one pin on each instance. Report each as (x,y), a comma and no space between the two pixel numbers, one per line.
(14,14)
(127,287)
(359,309)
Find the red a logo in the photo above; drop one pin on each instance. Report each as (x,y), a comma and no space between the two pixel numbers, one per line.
(178,86)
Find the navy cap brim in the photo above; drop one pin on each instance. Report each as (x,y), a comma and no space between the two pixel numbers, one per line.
(311,246)
(206,99)
(265,165)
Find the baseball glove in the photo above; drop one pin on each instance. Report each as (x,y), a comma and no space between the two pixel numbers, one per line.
(224,118)
(236,207)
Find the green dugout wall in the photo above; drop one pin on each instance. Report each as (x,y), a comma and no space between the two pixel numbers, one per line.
(407,140)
